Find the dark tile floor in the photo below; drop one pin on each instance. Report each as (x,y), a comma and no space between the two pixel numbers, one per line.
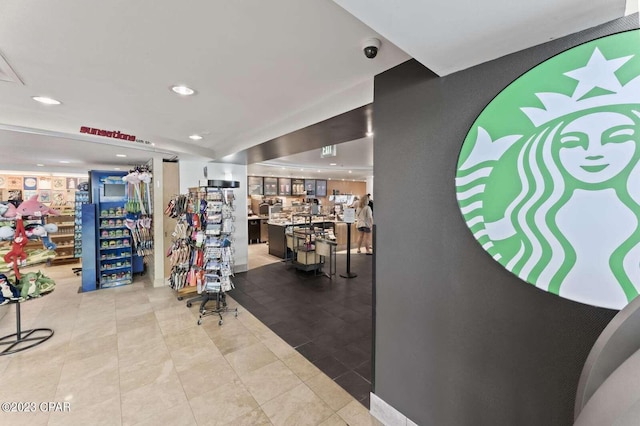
(327,321)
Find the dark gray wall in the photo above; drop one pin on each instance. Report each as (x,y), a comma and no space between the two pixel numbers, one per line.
(460,340)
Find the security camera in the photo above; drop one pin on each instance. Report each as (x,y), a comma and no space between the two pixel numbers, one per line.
(371,47)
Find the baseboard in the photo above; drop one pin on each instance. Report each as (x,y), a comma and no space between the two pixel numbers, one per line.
(386,414)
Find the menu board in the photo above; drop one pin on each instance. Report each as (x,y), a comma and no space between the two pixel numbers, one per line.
(321,188)
(284,186)
(255,185)
(297,187)
(310,186)
(270,186)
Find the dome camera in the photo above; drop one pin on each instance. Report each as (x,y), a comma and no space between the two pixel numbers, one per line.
(371,47)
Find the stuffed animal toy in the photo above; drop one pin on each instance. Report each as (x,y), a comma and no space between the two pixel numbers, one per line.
(17,256)
(33,207)
(7,210)
(35,231)
(29,285)
(46,284)
(8,291)
(6,233)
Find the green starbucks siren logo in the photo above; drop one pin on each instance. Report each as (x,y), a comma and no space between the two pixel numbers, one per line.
(548,178)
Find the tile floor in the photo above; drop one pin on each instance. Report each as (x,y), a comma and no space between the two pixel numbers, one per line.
(134,356)
(327,321)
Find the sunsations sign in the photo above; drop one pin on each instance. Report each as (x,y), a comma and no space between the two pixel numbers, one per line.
(548,178)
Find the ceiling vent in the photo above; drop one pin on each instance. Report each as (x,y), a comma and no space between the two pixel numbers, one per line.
(6,72)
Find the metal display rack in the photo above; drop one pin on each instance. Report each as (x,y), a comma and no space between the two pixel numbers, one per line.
(218,250)
(302,242)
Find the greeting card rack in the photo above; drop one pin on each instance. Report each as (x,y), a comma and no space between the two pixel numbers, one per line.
(218,249)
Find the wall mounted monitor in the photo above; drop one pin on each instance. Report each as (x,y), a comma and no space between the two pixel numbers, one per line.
(270,186)
(284,186)
(321,188)
(297,187)
(255,185)
(310,186)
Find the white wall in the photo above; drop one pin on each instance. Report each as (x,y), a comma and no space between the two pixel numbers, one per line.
(370,186)
(156,266)
(192,172)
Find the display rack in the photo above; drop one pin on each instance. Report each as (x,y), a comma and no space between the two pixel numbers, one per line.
(82,197)
(23,339)
(218,249)
(106,235)
(115,248)
(64,239)
(181,254)
(302,239)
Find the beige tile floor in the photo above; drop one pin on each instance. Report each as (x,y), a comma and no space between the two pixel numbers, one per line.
(259,256)
(134,355)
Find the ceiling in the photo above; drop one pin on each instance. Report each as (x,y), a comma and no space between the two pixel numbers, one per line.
(261,70)
(354,161)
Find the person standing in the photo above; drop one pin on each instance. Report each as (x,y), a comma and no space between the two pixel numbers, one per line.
(370,202)
(364,223)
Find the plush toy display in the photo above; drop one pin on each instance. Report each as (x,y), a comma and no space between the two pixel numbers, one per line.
(17,256)
(8,291)
(33,207)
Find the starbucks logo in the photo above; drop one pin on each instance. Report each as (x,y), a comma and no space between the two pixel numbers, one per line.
(548,178)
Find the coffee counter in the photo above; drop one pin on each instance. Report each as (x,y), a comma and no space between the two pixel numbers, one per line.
(278,241)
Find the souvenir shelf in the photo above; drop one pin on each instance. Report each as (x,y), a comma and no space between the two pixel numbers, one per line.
(82,197)
(65,237)
(114,256)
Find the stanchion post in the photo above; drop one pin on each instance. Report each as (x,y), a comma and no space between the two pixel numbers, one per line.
(349,274)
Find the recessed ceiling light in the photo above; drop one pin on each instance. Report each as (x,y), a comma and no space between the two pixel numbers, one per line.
(195,137)
(283,168)
(45,100)
(343,180)
(40,165)
(318,171)
(64,161)
(369,134)
(333,164)
(116,168)
(183,90)
(302,170)
(350,171)
(121,155)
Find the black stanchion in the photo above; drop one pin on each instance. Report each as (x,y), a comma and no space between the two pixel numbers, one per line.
(349,274)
